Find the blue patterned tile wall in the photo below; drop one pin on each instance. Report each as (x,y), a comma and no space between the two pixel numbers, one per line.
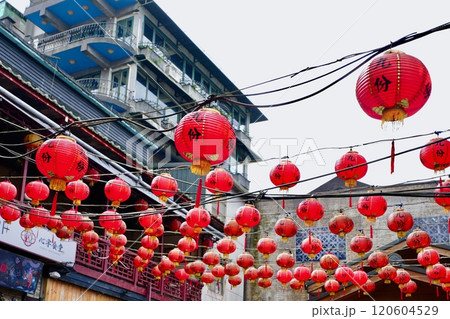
(331,243)
(435,226)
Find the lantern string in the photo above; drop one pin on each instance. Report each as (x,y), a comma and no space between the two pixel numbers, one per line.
(392,155)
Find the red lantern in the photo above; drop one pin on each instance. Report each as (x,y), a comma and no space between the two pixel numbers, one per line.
(90,241)
(234,281)
(378,260)
(174,224)
(232,269)
(166,265)
(25,222)
(284,276)
(116,251)
(361,244)
(251,274)
(442,195)
(372,207)
(394,85)
(266,246)
(409,288)
(286,228)
(207,242)
(37,191)
(245,260)
(265,271)
(436,272)
(436,155)
(61,160)
(10,213)
(164,186)
(198,267)
(340,225)
(387,273)
(311,246)
(205,138)
(285,260)
(343,274)
(285,175)
(186,230)
(428,257)
(329,262)
(145,253)
(77,191)
(110,220)
(150,219)
(310,210)
(332,286)
(72,219)
(63,233)
(39,216)
(368,287)
(296,285)
(401,278)
(445,281)
(7,191)
(181,275)
(207,278)
(226,246)
(418,240)
(55,223)
(359,278)
(92,177)
(346,171)
(264,283)
(400,221)
(141,205)
(247,216)
(86,225)
(176,256)
(187,245)
(211,258)
(156,272)
(122,229)
(319,276)
(233,229)
(302,274)
(117,191)
(150,242)
(219,181)
(139,263)
(119,240)
(218,271)
(198,218)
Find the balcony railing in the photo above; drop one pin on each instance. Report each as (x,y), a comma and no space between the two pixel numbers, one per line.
(126,276)
(88,31)
(110,89)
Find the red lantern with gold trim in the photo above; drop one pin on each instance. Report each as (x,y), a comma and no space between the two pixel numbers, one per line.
(245,260)
(77,191)
(394,85)
(284,276)
(251,274)
(204,138)
(7,191)
(207,278)
(296,285)
(302,273)
(409,288)
(372,207)
(39,216)
(186,230)
(140,263)
(25,222)
(211,258)
(387,273)
(378,260)
(150,242)
(285,260)
(110,220)
(368,287)
(310,210)
(266,246)
(402,277)
(176,256)
(219,181)
(361,244)
(232,269)
(92,177)
(86,225)
(234,281)
(346,170)
(332,286)
(218,271)
(359,278)
(141,205)
(226,246)
(187,245)
(72,219)
(247,216)
(286,227)
(319,276)
(265,271)
(436,272)
(156,272)
(164,186)
(10,213)
(418,240)
(428,257)
(117,191)
(145,253)
(264,283)
(400,221)
(340,224)
(285,175)
(37,191)
(329,262)
(55,223)
(198,218)
(150,219)
(436,155)
(232,229)
(344,275)
(166,265)
(181,275)
(311,246)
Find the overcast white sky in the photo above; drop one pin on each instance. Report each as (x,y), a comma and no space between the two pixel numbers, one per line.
(254,41)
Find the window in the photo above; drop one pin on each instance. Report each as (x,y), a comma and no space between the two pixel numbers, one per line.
(119,85)
(331,243)
(435,226)
(124,30)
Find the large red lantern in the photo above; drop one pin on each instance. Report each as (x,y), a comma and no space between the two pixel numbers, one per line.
(204,138)
(9,213)
(207,278)
(302,273)
(400,221)
(218,271)
(247,216)
(219,181)
(232,269)
(265,271)
(198,267)
(166,265)
(310,210)
(359,278)
(296,285)
(72,219)
(198,218)
(418,240)
(119,240)
(25,222)
(442,195)
(251,274)
(436,155)
(264,283)
(394,85)
(284,276)
(164,186)
(211,258)
(266,246)
(245,260)
(340,224)
(77,191)
(39,216)
(332,286)
(176,256)
(37,191)
(378,260)
(368,287)
(150,242)
(181,275)
(187,245)
(387,273)
(436,272)
(311,246)
(55,223)
(186,230)
(343,274)
(286,227)
(110,220)
(428,257)
(409,288)
(372,207)
(319,276)
(346,170)
(234,281)
(285,260)
(61,160)
(7,191)
(232,229)
(329,262)
(361,244)
(285,175)
(226,246)
(117,191)
(92,177)
(402,277)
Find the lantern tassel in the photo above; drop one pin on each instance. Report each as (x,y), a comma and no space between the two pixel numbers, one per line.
(437,291)
(371,231)
(350,199)
(55,199)
(199,193)
(218,208)
(401,295)
(283,204)
(392,156)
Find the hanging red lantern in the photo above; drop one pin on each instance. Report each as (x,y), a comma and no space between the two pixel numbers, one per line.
(211,258)
(285,175)
(296,285)
(7,191)
(86,225)
(378,260)
(174,224)
(344,275)
(245,260)
(340,224)
(302,273)
(436,155)
(319,276)
(219,181)
(332,286)
(141,205)
(198,267)
(166,265)
(218,271)
(232,269)
(286,227)
(37,191)
(418,240)
(140,263)
(117,191)
(265,271)
(387,273)
(63,233)
(402,277)
(204,138)
(145,253)
(32,141)
(247,216)
(361,244)
(92,177)
(25,222)
(90,240)
(368,287)
(150,242)
(346,171)
(181,275)
(77,191)
(409,288)
(119,240)
(156,272)
(442,195)
(226,246)
(10,213)
(428,257)
(233,229)
(436,272)
(164,186)
(311,246)
(110,220)
(264,283)
(115,251)
(285,260)
(150,219)
(198,218)
(234,281)
(187,245)
(207,278)
(186,230)
(208,243)
(445,281)
(39,216)
(394,85)
(72,219)
(359,278)
(251,274)
(176,256)
(122,229)
(266,246)
(400,221)
(61,160)
(372,207)
(284,276)
(329,262)
(55,223)
(310,210)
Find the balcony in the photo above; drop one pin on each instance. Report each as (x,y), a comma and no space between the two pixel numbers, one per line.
(126,276)
(88,46)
